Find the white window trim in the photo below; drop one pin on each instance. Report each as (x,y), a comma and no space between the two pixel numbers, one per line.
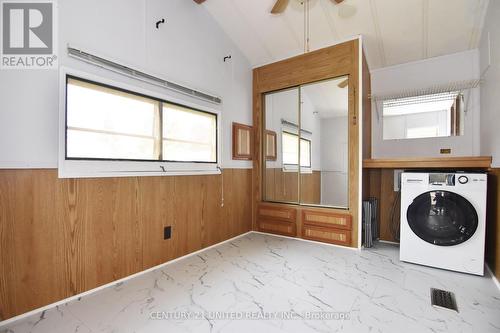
(92,168)
(294,167)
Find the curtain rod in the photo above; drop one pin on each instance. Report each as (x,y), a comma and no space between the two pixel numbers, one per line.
(286,122)
(139,75)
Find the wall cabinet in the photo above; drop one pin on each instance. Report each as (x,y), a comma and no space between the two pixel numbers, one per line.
(315,105)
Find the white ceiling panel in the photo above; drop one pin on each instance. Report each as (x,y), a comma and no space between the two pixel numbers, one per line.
(401,29)
(452,25)
(394,31)
(270,29)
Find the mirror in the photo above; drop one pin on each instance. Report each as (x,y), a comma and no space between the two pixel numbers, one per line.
(280,146)
(424,116)
(320,111)
(324,120)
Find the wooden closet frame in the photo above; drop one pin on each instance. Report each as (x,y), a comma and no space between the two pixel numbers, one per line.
(335,61)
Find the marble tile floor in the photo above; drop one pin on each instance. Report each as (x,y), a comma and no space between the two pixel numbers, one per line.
(264,283)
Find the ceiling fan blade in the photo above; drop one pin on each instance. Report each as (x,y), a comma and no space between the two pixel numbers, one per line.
(279,7)
(338,1)
(343,84)
(199,2)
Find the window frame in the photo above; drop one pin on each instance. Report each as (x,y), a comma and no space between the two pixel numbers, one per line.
(287,167)
(82,167)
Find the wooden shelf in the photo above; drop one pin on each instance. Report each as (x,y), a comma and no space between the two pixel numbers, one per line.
(479,162)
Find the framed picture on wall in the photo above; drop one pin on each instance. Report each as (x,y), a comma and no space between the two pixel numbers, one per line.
(270,145)
(242,142)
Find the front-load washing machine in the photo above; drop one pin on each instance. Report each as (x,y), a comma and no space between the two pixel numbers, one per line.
(443,220)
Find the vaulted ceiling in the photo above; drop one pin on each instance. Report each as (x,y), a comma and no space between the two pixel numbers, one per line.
(394,31)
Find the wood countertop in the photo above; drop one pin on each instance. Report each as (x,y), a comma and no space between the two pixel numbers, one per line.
(470,162)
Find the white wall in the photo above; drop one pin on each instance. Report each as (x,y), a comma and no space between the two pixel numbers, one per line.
(419,75)
(490,88)
(188,49)
(396,127)
(312,123)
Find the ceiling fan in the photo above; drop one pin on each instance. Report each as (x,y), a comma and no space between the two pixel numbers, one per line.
(280,6)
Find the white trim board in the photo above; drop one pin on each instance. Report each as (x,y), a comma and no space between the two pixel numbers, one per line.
(129,277)
(308,240)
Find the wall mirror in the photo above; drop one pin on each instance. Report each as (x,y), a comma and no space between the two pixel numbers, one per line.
(281,159)
(311,124)
(425,116)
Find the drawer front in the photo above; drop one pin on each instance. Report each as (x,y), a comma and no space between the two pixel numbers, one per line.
(325,234)
(326,219)
(276,219)
(278,227)
(270,212)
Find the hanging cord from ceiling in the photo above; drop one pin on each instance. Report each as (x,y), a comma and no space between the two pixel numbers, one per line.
(306,25)
(221,187)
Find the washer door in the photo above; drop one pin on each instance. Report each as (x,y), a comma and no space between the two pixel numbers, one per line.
(442,218)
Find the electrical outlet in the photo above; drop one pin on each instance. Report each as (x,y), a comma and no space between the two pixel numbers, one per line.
(167,232)
(445,151)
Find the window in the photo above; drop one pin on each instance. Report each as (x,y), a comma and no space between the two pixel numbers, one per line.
(107,123)
(291,150)
(189,135)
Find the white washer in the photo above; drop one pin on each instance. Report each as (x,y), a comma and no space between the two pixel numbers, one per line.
(443,220)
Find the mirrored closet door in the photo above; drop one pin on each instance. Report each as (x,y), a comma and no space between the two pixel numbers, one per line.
(306,140)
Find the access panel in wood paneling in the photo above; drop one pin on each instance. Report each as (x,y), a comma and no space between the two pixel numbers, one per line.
(326,219)
(324,234)
(61,237)
(242,142)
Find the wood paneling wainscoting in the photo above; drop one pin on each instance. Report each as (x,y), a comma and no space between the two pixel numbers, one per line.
(61,237)
(493,222)
(282,186)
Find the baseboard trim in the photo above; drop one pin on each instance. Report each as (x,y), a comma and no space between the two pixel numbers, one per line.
(129,277)
(308,240)
(493,277)
(387,242)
